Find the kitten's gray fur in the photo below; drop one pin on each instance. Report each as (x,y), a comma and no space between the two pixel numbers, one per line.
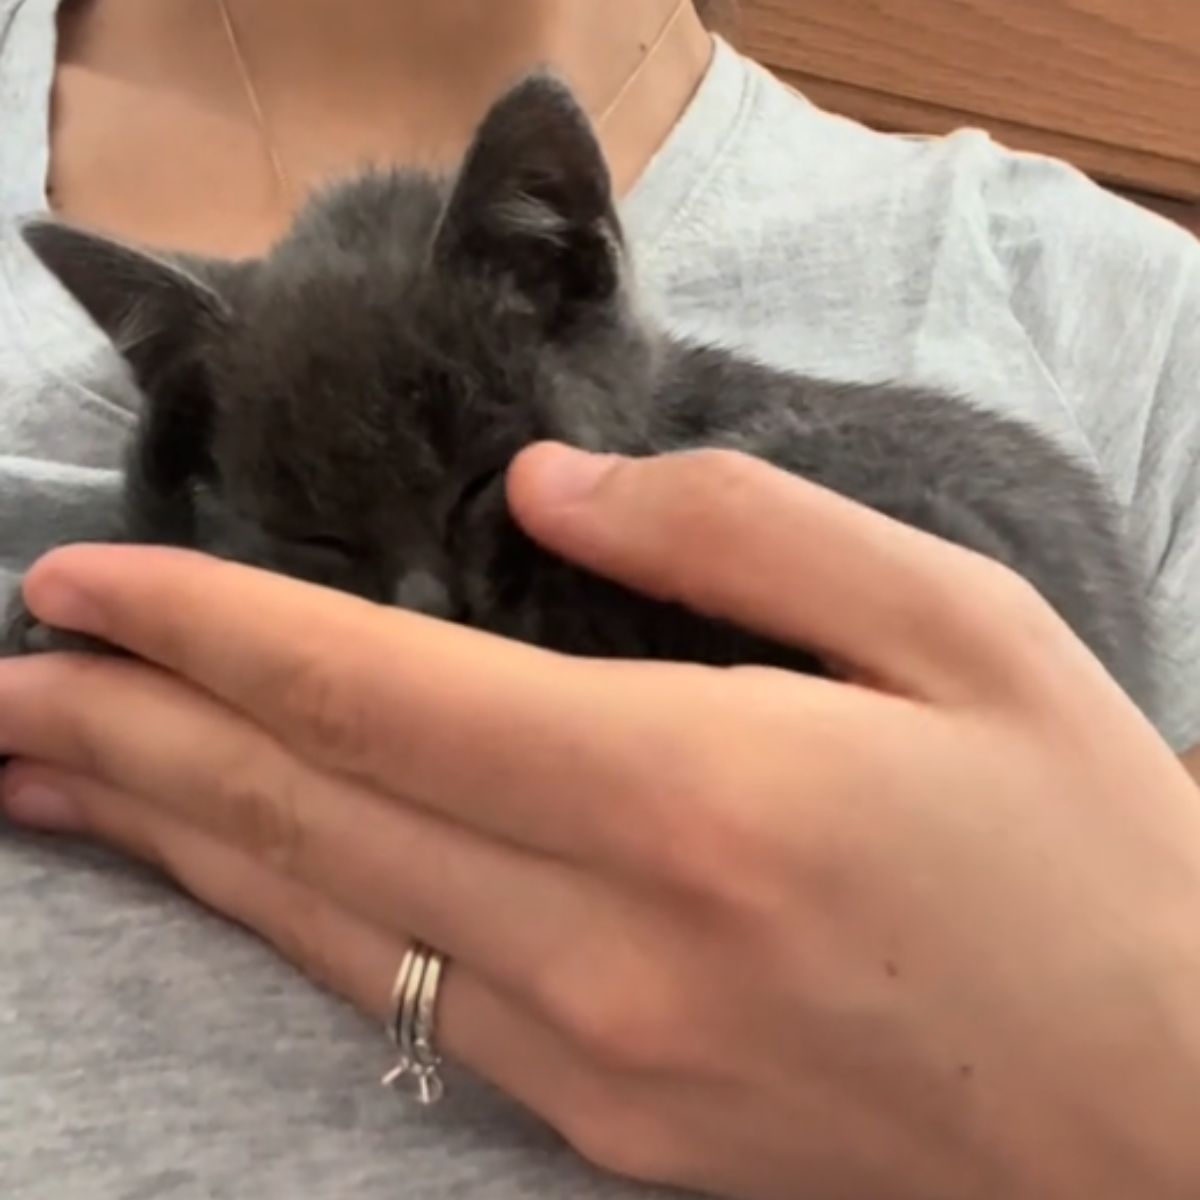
(343,409)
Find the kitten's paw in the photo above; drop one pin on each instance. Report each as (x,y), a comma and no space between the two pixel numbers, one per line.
(24,634)
(19,628)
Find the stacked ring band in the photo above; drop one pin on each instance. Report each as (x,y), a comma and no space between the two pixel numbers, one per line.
(411,1027)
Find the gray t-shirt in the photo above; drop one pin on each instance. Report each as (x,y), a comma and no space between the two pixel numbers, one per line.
(148,1050)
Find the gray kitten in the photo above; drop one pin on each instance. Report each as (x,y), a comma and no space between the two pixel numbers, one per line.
(343,410)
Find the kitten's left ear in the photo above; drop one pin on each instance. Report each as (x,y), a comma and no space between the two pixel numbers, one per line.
(155,312)
(161,316)
(534,201)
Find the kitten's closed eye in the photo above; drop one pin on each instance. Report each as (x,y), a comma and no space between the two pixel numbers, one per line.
(318,557)
(327,545)
(325,559)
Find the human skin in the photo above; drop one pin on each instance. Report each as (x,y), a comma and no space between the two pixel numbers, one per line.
(929,931)
(281,97)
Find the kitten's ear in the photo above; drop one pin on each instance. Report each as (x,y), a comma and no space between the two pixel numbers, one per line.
(533,200)
(158,315)
(153,311)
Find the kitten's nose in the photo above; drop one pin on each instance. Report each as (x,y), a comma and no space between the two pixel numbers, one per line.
(419,590)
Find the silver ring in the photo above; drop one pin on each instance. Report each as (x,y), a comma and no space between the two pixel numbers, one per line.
(412,1024)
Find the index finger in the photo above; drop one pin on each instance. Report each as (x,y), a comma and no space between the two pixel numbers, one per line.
(516,741)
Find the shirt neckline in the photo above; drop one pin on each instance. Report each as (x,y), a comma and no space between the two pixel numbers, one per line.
(693,147)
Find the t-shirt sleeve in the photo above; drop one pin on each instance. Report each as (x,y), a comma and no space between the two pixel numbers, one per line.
(1168,497)
(1109,296)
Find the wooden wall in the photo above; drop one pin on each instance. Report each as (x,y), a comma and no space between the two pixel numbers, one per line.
(1111,85)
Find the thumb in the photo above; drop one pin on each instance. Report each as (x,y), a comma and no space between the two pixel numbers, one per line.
(734,538)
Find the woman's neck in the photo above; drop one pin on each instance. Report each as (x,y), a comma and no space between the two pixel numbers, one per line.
(250,103)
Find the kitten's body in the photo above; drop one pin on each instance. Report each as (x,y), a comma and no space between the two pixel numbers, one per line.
(344,409)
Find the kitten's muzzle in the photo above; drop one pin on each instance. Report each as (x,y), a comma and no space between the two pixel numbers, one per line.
(420,589)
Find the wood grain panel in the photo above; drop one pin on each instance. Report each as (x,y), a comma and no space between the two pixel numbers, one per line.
(1113,85)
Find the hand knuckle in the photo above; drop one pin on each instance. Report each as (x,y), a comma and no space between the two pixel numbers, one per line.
(727,876)
(254,807)
(1018,616)
(583,1010)
(711,481)
(608,1018)
(323,712)
(705,507)
(720,465)
(693,854)
(700,826)
(1004,590)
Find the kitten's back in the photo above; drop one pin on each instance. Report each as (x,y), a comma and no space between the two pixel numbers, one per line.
(987,482)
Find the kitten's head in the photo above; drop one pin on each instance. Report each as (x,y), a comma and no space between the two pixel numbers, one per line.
(338,409)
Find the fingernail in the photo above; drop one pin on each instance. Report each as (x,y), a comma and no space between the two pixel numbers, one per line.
(42,808)
(564,474)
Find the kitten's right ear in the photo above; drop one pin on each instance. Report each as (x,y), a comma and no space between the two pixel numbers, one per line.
(152,310)
(533,201)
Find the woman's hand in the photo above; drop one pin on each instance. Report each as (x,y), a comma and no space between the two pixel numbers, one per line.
(931,933)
